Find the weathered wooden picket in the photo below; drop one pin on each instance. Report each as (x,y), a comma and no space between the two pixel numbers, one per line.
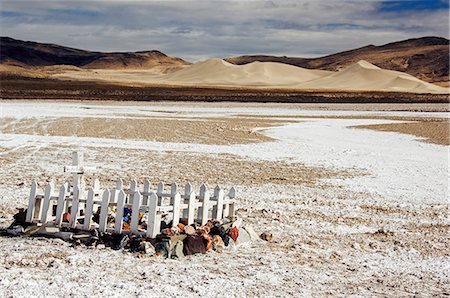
(49,208)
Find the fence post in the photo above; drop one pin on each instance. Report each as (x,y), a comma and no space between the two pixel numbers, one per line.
(61,203)
(191,208)
(201,195)
(135,212)
(46,210)
(188,189)
(159,192)
(119,184)
(31,202)
(160,188)
(68,192)
(176,209)
(133,189)
(115,191)
(81,195)
(214,205)
(203,211)
(187,192)
(119,212)
(232,196)
(173,192)
(89,206)
(74,211)
(103,221)
(154,219)
(218,209)
(147,186)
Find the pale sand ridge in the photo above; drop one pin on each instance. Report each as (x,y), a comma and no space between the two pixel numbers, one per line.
(360,76)
(366,76)
(219,72)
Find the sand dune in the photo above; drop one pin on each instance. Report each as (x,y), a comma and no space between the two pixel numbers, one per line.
(365,76)
(358,76)
(220,72)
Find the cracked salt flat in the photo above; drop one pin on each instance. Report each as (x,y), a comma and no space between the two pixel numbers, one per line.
(405,170)
(400,167)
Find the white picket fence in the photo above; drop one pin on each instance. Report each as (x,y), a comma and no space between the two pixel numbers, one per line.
(48,209)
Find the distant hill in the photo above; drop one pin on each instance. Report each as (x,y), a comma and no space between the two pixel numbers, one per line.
(29,54)
(426,58)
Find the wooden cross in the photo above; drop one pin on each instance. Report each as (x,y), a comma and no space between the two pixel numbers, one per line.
(77,169)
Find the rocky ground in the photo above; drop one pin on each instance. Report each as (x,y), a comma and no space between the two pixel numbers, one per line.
(352,211)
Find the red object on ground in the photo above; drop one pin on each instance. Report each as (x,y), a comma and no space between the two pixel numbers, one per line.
(234,233)
(66,217)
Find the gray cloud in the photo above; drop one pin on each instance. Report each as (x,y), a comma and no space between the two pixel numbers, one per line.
(201,29)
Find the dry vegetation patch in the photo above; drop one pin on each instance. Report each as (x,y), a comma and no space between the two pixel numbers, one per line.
(436,132)
(170,166)
(220,131)
(226,169)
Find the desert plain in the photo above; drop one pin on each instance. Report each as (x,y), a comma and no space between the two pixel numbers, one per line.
(355,195)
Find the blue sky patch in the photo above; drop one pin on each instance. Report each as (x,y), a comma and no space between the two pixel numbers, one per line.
(11,14)
(74,12)
(399,6)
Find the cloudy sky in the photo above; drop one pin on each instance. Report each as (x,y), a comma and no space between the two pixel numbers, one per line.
(197,30)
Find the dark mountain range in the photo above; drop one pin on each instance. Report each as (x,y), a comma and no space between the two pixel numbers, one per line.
(28,54)
(426,58)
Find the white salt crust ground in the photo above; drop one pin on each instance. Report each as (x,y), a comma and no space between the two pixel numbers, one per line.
(325,236)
